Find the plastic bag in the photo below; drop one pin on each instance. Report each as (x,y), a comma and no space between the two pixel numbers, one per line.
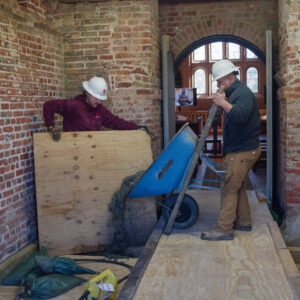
(290,227)
(62,265)
(16,275)
(51,285)
(96,291)
(32,276)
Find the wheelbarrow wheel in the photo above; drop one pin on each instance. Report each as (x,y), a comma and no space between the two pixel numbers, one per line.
(188,212)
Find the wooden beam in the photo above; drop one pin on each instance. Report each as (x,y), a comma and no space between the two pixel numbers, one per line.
(295,252)
(132,283)
(10,263)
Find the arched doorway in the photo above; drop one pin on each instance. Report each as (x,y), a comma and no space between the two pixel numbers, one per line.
(218,38)
(255,64)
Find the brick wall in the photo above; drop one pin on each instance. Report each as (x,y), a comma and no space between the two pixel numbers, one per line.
(46,52)
(118,40)
(189,22)
(288,78)
(30,72)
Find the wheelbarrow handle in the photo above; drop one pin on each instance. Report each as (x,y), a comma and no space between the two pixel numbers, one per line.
(195,157)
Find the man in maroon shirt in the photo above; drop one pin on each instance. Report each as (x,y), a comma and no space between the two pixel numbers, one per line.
(85,112)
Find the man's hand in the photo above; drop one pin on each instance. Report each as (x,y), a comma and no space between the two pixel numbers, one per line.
(219,99)
(145,128)
(55,133)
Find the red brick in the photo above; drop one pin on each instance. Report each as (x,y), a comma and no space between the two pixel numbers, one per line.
(144,92)
(125,85)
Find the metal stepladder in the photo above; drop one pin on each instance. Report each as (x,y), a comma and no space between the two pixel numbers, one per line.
(215,167)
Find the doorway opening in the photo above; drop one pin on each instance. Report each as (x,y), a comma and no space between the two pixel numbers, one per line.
(193,70)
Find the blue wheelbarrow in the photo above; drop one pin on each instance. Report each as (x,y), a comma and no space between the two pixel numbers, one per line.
(170,174)
(166,176)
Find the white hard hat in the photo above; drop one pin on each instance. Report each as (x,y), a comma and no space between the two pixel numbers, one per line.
(222,68)
(97,87)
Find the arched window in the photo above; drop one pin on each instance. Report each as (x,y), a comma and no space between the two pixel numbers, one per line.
(196,69)
(200,81)
(250,54)
(199,54)
(252,79)
(213,84)
(234,51)
(216,51)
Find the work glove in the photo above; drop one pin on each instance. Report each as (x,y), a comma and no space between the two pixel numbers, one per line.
(55,133)
(145,128)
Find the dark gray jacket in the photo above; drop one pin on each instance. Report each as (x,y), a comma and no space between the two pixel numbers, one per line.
(242,123)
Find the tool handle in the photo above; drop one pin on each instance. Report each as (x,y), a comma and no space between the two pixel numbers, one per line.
(199,149)
(221,90)
(84,295)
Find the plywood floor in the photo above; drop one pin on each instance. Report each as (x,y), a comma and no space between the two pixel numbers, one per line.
(185,267)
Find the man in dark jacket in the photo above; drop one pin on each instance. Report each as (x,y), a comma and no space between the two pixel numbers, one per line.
(85,112)
(241,148)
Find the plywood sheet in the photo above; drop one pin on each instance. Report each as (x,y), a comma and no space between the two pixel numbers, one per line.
(75,181)
(9,292)
(185,267)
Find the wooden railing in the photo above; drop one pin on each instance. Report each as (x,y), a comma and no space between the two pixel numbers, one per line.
(194,115)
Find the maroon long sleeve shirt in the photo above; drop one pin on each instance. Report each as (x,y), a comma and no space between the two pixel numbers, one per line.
(78,115)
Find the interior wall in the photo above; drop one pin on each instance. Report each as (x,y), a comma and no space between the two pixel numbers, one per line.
(288,78)
(118,40)
(190,22)
(46,53)
(31,71)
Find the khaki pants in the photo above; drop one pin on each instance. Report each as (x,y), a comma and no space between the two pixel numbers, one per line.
(234,200)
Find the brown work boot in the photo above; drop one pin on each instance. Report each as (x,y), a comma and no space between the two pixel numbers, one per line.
(217,235)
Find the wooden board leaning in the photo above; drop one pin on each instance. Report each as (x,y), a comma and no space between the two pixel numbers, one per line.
(75,181)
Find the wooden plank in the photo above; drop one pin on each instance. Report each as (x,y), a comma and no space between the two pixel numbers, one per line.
(288,263)
(75,181)
(277,237)
(9,264)
(9,292)
(261,196)
(290,268)
(295,285)
(185,267)
(130,288)
(260,212)
(295,252)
